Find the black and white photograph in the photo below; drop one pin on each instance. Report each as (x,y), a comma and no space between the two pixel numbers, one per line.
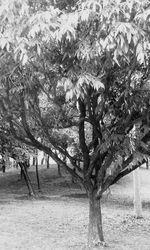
(74,124)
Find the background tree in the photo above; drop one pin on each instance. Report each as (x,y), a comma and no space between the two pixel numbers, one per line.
(137,193)
(11,148)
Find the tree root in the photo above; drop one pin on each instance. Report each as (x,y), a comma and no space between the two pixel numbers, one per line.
(97,244)
(100,243)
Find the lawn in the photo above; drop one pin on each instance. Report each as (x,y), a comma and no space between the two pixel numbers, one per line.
(58,218)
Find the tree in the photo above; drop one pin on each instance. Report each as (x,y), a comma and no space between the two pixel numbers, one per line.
(137,195)
(37,175)
(11,148)
(83,67)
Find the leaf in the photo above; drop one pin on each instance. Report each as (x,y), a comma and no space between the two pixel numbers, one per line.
(38,49)
(85,14)
(3,42)
(129,35)
(140,53)
(115,57)
(24,59)
(67,84)
(69,95)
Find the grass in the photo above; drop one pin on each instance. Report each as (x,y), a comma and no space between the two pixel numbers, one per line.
(58,218)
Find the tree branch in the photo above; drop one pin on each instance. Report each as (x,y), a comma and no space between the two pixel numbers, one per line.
(82,139)
(127,171)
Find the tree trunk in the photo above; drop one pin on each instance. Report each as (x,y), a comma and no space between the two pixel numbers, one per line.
(21,173)
(28,162)
(27,179)
(147,163)
(42,161)
(3,168)
(59,171)
(48,161)
(73,178)
(3,165)
(34,161)
(37,175)
(137,195)
(95,230)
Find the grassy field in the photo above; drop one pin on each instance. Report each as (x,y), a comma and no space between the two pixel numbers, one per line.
(58,218)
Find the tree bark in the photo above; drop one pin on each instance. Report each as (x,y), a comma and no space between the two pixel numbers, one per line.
(59,170)
(73,178)
(34,161)
(27,180)
(3,168)
(3,165)
(37,175)
(42,161)
(147,163)
(48,161)
(137,195)
(21,173)
(28,162)
(95,229)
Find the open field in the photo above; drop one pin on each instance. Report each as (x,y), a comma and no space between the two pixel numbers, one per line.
(58,219)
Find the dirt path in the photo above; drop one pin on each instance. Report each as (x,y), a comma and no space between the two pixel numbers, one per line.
(58,222)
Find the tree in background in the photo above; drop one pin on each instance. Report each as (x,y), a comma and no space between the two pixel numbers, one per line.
(137,193)
(84,67)
(9,147)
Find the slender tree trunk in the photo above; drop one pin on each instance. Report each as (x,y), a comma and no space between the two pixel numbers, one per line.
(37,175)
(27,179)
(42,161)
(3,168)
(95,230)
(48,161)
(137,195)
(59,170)
(3,165)
(147,163)
(34,161)
(21,173)
(73,178)
(28,162)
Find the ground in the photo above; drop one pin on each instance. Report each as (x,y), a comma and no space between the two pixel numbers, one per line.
(58,219)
